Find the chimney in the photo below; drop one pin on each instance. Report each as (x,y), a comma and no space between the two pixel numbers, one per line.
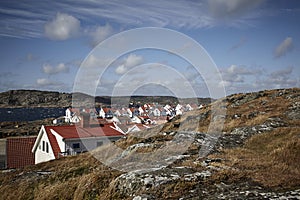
(85,120)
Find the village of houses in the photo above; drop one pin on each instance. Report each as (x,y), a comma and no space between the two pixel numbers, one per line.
(82,130)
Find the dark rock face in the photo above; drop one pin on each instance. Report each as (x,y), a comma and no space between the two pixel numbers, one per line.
(244,98)
(34,98)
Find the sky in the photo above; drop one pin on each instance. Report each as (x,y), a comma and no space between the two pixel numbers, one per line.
(245,46)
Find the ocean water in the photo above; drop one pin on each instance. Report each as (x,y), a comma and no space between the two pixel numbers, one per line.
(29,114)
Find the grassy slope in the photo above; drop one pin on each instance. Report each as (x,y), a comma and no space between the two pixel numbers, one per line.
(269,159)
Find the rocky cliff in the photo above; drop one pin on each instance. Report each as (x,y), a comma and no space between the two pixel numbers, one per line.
(34,98)
(254,155)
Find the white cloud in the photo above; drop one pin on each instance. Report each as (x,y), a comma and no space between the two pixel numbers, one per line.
(60,68)
(44,82)
(236,74)
(100,33)
(282,78)
(131,61)
(224,84)
(28,19)
(94,61)
(47,84)
(239,70)
(231,8)
(236,78)
(121,69)
(244,79)
(284,47)
(62,27)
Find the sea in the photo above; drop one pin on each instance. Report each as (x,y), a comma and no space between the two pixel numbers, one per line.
(29,114)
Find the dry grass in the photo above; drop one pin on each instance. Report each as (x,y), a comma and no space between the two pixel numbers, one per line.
(251,113)
(80,177)
(270,159)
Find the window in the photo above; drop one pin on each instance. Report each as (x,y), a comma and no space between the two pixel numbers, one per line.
(99,143)
(76,145)
(43,149)
(47,147)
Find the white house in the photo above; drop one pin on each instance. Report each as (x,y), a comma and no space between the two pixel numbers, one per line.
(141,110)
(117,113)
(130,114)
(71,117)
(156,112)
(102,113)
(55,141)
(168,109)
(188,107)
(178,109)
(136,119)
(68,115)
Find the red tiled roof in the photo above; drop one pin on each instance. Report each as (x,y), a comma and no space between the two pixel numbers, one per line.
(72,131)
(19,152)
(53,142)
(144,117)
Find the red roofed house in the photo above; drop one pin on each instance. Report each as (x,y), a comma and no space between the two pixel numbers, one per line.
(18,152)
(55,141)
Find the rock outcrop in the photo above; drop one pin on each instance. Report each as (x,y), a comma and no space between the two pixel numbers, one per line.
(34,98)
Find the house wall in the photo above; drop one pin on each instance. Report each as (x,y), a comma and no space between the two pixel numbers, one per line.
(156,112)
(86,144)
(135,119)
(40,154)
(68,115)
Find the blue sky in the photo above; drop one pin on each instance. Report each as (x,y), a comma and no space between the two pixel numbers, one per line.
(254,44)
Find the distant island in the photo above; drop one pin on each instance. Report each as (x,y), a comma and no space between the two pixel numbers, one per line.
(36,98)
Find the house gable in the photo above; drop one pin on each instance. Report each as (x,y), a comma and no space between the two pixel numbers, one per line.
(45,147)
(53,142)
(59,140)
